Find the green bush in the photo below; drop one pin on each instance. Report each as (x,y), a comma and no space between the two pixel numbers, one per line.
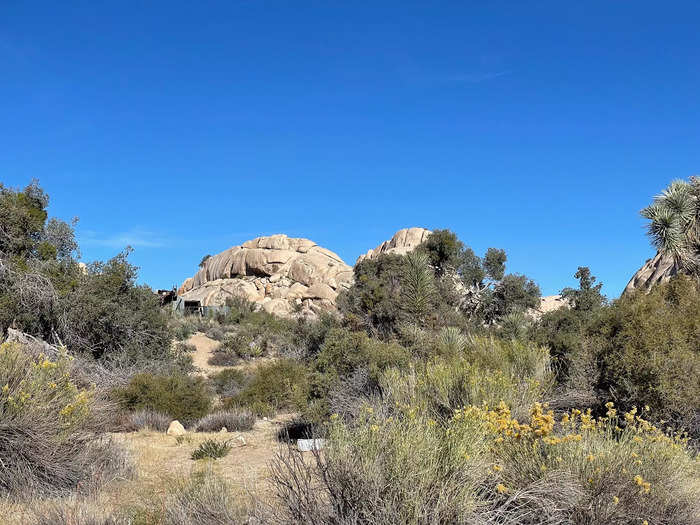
(181,397)
(648,352)
(344,351)
(274,386)
(487,371)
(228,382)
(372,303)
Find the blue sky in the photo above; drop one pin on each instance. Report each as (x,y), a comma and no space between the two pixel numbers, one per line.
(183,128)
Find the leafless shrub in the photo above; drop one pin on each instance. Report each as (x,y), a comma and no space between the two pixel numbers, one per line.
(232,420)
(75,512)
(147,420)
(300,489)
(347,397)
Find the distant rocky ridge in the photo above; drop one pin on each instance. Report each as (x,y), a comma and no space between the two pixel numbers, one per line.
(292,276)
(284,275)
(658,269)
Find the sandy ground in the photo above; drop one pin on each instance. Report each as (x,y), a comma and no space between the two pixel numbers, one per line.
(205,346)
(160,460)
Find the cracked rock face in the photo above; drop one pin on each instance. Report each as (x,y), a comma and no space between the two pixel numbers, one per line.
(284,275)
(401,243)
(656,270)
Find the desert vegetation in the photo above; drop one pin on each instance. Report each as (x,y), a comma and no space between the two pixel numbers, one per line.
(441,394)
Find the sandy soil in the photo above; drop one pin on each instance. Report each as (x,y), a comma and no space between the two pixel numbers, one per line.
(205,346)
(161,460)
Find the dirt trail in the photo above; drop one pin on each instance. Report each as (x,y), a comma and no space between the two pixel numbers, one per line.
(205,346)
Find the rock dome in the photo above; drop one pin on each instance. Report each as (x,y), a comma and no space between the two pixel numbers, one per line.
(282,274)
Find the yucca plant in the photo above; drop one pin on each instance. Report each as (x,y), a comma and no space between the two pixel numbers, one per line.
(418,285)
(212,449)
(675,223)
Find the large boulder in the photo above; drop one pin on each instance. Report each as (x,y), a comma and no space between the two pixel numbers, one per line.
(401,243)
(283,275)
(656,270)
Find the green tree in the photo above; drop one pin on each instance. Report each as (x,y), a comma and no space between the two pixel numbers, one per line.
(22,218)
(563,331)
(444,251)
(587,297)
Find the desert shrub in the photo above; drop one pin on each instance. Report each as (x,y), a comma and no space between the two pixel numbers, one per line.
(347,370)
(564,330)
(181,397)
(482,466)
(205,499)
(185,348)
(183,327)
(243,346)
(307,336)
(75,512)
(215,332)
(274,386)
(648,349)
(343,351)
(50,430)
(223,357)
(211,449)
(228,382)
(486,370)
(116,319)
(146,420)
(232,420)
(620,468)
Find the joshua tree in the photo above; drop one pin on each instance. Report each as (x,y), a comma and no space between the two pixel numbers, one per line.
(675,223)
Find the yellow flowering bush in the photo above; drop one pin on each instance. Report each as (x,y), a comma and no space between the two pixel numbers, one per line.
(40,386)
(482,464)
(49,440)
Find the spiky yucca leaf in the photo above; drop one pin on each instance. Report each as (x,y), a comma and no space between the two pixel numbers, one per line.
(417,285)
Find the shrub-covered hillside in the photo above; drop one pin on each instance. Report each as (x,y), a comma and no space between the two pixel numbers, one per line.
(440,393)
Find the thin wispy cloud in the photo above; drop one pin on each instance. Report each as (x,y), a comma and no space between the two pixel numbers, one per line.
(422,76)
(133,238)
(474,78)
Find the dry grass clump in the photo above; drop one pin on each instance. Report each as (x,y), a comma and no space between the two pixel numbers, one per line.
(146,420)
(233,420)
(51,431)
(75,512)
(205,499)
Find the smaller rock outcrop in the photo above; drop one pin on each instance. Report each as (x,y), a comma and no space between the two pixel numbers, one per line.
(658,269)
(176,429)
(401,243)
